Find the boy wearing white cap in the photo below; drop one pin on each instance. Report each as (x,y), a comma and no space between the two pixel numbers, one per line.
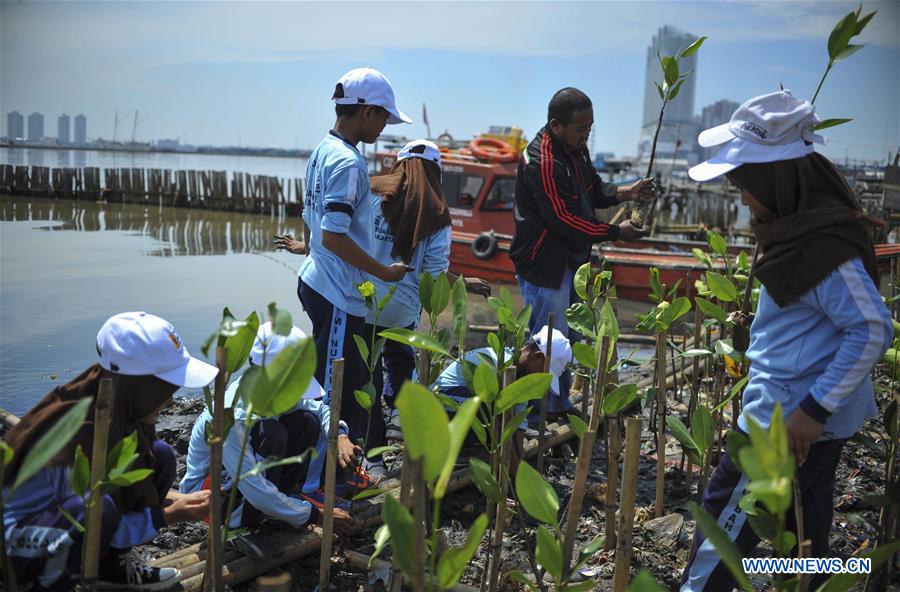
(412,226)
(337,211)
(820,326)
(147,361)
(529,359)
(305,426)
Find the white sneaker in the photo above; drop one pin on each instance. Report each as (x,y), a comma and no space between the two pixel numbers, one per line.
(393,429)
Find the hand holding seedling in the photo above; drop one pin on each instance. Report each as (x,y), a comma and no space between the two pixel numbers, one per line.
(640,191)
(629,231)
(802,431)
(290,244)
(477,286)
(347,451)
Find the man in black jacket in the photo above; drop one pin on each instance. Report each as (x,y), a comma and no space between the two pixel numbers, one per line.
(557,190)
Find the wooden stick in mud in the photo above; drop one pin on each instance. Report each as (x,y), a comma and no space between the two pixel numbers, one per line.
(505,460)
(213,576)
(542,425)
(695,389)
(629,489)
(612,473)
(586,447)
(660,422)
(337,387)
(102,411)
(803,545)
(418,495)
(361,561)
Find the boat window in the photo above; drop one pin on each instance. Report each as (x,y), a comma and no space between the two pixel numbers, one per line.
(502,195)
(460,190)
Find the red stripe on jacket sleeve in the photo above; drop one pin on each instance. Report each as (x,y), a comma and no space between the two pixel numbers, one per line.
(599,229)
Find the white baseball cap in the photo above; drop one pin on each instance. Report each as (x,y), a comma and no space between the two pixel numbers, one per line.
(138,344)
(368,86)
(273,344)
(560,354)
(767,128)
(421,149)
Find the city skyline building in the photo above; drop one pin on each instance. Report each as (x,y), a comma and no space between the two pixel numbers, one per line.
(80,129)
(35,127)
(63,127)
(677,137)
(15,125)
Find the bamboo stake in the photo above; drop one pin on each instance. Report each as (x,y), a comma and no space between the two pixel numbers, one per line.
(695,391)
(803,545)
(629,488)
(337,382)
(505,460)
(542,425)
(213,575)
(418,493)
(361,561)
(585,449)
(91,549)
(660,422)
(612,473)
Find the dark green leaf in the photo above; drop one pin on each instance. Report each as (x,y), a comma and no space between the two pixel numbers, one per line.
(283,381)
(677,309)
(495,344)
(548,553)
(659,90)
(655,285)
(725,548)
(681,433)
(379,450)
(506,298)
(513,424)
(131,477)
(270,463)
(675,90)
(426,429)
(415,339)
(81,473)
(609,326)
(530,386)
(831,123)
(670,70)
(485,381)
(693,47)
(382,537)
(453,561)
(458,428)
(735,390)
(362,347)
(582,278)
(282,323)
(619,399)
(644,582)
(585,354)
(122,454)
(721,286)
(536,496)
(703,429)
(716,243)
(588,550)
(440,295)
(580,317)
(734,442)
(400,524)
(841,34)
(711,310)
(426,287)
(577,424)
(484,479)
(238,345)
(367,493)
(784,542)
(848,51)
(363,399)
(52,442)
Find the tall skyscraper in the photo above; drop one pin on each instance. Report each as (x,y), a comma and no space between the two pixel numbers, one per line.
(80,129)
(15,125)
(35,127)
(713,115)
(677,137)
(63,128)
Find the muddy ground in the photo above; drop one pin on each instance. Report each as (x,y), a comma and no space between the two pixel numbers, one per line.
(660,546)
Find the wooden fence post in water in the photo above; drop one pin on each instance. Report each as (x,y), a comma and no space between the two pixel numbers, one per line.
(542,424)
(337,386)
(91,550)
(629,488)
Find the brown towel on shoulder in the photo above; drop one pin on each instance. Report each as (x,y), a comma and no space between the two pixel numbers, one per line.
(412,203)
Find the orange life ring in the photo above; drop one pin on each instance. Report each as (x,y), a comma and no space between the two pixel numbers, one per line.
(492,149)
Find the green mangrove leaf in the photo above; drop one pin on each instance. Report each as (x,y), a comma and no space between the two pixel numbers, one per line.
(681,433)
(619,399)
(703,429)
(426,429)
(548,553)
(585,354)
(415,339)
(580,317)
(721,286)
(282,323)
(400,526)
(693,47)
(453,561)
(577,424)
(834,122)
(81,473)
(581,280)
(484,479)
(426,287)
(536,495)
(440,295)
(459,427)
(727,550)
(486,385)
(382,537)
(283,381)
(530,386)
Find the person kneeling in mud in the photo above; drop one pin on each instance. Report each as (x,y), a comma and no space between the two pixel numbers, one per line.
(272,496)
(147,362)
(451,383)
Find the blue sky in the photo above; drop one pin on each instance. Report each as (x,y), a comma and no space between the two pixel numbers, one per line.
(262,73)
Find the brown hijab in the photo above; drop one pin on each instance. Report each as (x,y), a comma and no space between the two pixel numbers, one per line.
(135,397)
(817,225)
(412,203)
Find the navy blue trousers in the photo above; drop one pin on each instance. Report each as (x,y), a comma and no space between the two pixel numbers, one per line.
(725,489)
(333,331)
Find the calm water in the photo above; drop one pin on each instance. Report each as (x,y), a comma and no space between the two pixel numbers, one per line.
(65,267)
(257,165)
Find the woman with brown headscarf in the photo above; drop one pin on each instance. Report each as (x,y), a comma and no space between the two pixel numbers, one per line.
(820,325)
(145,358)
